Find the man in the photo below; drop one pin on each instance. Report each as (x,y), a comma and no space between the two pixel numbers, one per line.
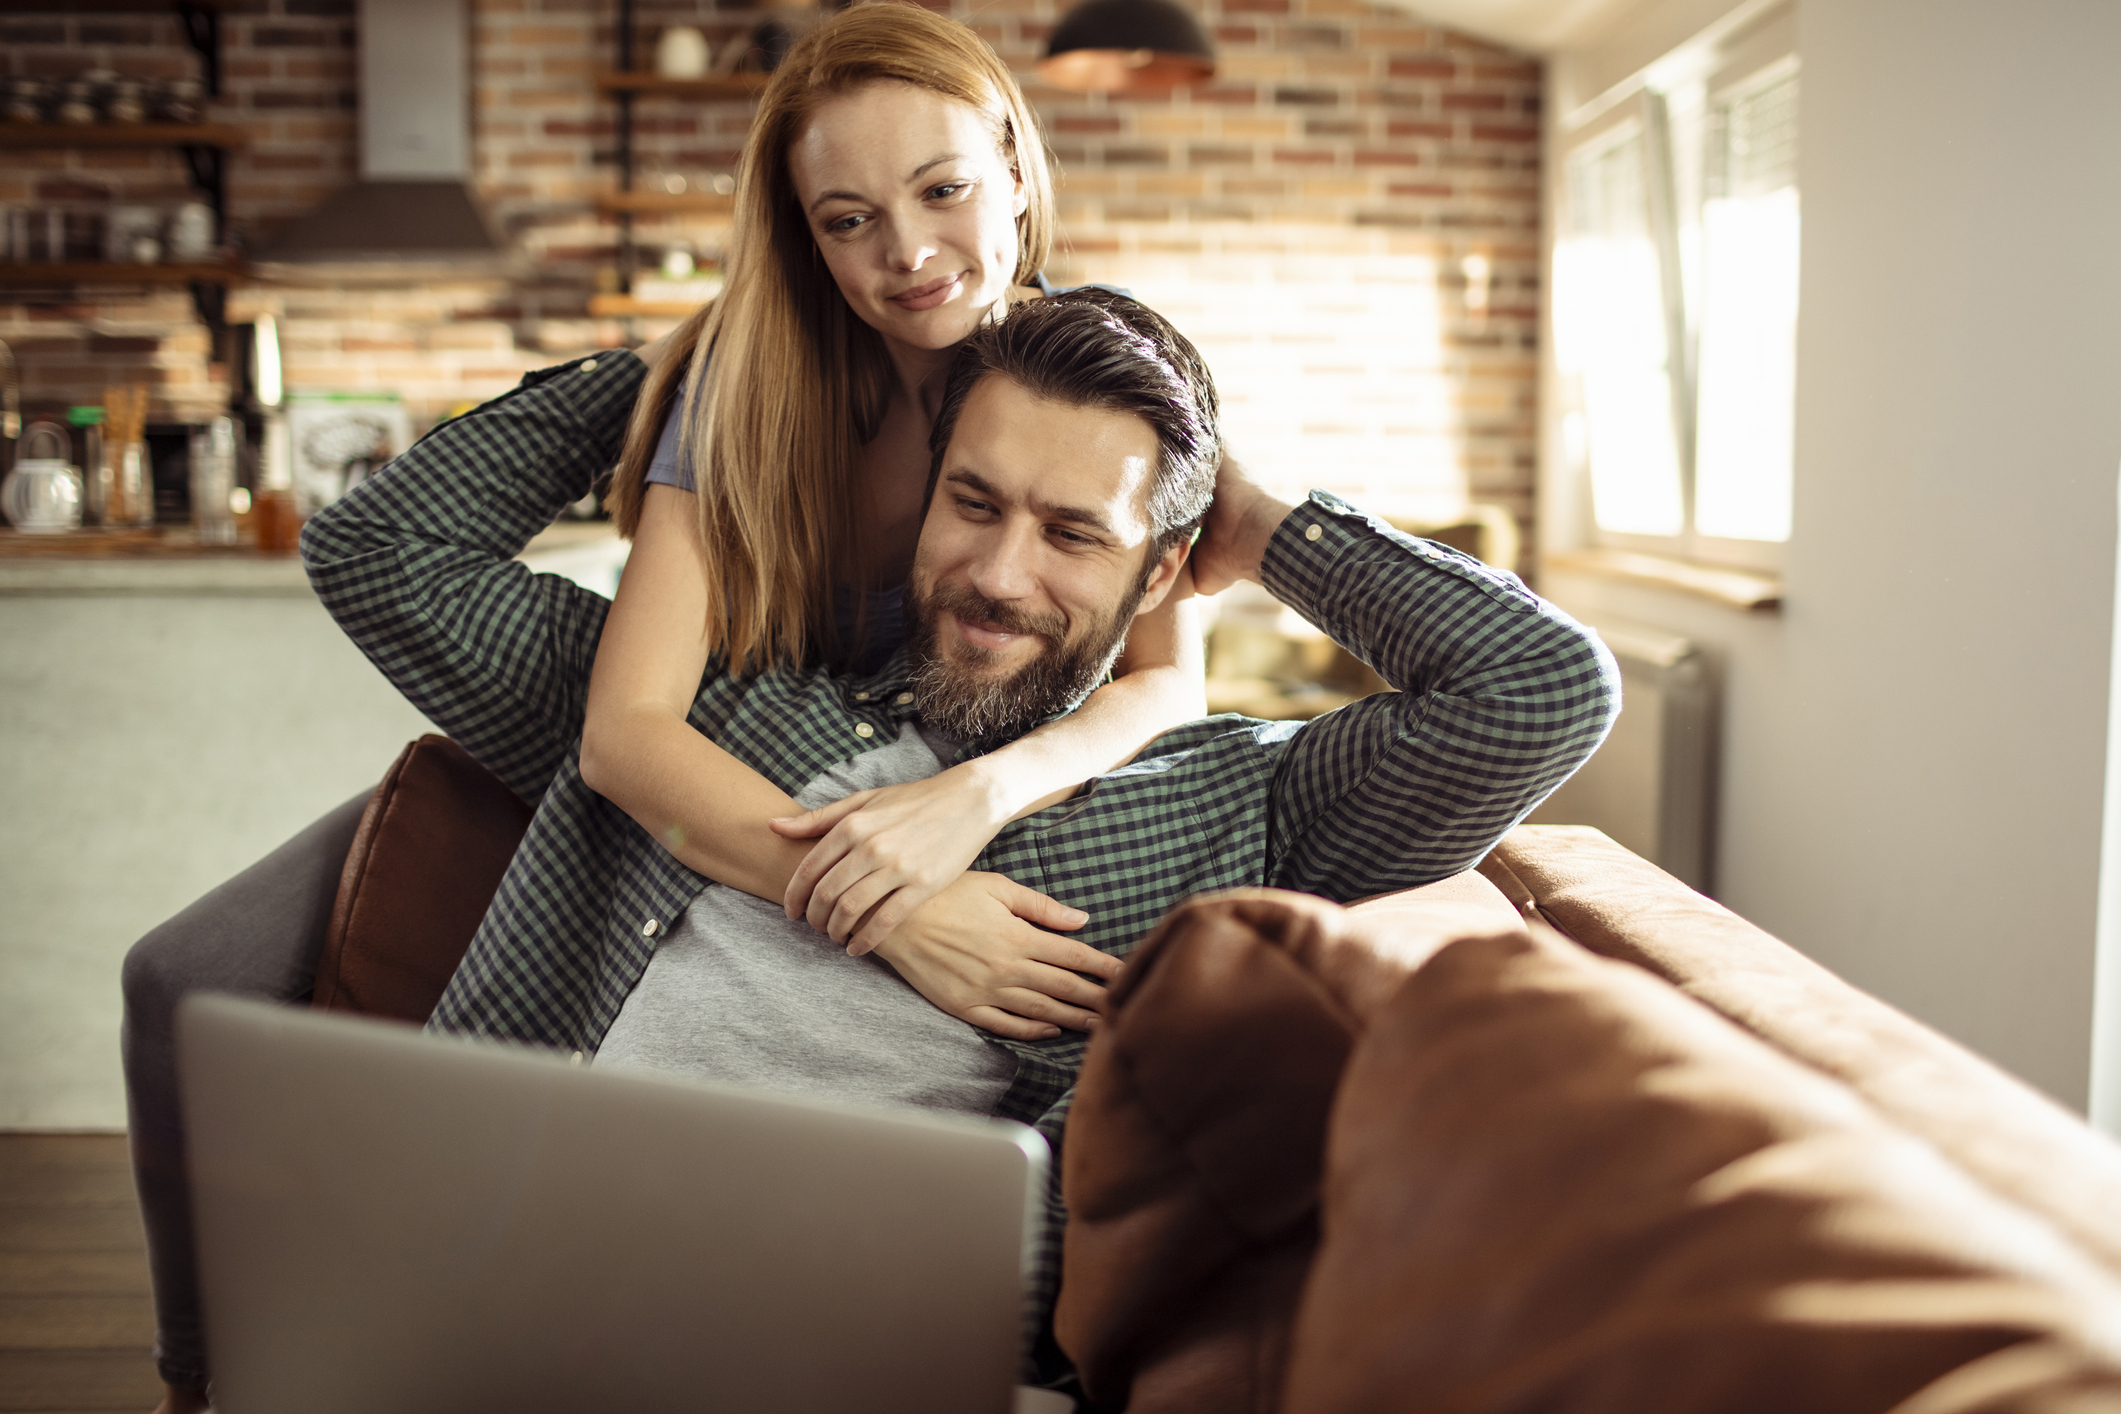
(1075,450)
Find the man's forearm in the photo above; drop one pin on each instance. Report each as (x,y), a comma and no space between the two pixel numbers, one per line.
(1501,697)
(417,566)
(1427,618)
(492,479)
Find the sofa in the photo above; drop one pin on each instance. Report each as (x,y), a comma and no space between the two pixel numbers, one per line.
(1556,1134)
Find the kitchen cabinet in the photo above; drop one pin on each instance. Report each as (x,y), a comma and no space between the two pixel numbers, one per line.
(167,722)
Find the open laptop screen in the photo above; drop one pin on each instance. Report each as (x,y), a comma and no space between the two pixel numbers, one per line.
(394,1221)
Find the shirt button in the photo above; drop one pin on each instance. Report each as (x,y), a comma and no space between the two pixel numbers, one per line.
(903,698)
(861,697)
(650,928)
(1314,532)
(864,730)
(575,1059)
(589,365)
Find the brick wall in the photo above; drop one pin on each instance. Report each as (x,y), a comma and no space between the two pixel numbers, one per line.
(1307,217)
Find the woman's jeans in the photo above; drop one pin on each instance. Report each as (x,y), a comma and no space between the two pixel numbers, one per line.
(258,935)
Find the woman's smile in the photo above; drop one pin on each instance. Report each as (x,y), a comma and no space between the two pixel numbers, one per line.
(930,295)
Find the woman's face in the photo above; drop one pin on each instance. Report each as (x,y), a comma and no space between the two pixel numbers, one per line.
(913,208)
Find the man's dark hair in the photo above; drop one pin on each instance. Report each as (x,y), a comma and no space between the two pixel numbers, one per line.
(1096,348)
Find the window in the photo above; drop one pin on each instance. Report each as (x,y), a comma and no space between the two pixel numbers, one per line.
(1748,340)
(1676,313)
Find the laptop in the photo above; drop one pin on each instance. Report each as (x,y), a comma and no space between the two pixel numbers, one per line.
(394,1221)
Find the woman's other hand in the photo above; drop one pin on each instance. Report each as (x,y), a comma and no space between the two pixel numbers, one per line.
(980,950)
(886,852)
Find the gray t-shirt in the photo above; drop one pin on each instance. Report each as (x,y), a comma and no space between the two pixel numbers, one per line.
(736,992)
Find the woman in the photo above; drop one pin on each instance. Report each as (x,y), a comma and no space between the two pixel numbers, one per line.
(894,195)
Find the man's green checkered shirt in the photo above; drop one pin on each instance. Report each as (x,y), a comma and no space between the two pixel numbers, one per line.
(1502,696)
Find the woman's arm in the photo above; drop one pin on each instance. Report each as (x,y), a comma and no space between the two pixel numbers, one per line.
(639,752)
(885,852)
(973,951)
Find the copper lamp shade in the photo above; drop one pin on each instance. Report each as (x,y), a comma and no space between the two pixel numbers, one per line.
(1127,46)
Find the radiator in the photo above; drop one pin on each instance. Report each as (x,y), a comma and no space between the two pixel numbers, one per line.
(1652,786)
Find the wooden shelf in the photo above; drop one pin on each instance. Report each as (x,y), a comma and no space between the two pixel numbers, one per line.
(710,90)
(104,7)
(112,272)
(17,136)
(627,307)
(663,203)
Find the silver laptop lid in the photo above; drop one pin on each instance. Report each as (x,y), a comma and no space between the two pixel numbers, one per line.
(391,1221)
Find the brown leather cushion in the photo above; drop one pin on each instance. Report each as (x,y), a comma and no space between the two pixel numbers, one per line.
(1194,1146)
(425,863)
(1555,1184)
(2014,1140)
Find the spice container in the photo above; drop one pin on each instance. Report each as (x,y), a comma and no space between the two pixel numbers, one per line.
(191,232)
(128,101)
(25,100)
(131,498)
(180,101)
(79,104)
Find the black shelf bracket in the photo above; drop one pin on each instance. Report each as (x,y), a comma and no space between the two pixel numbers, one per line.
(209,173)
(209,299)
(627,255)
(202,31)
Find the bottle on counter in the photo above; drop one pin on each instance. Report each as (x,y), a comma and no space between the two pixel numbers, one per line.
(213,482)
(87,423)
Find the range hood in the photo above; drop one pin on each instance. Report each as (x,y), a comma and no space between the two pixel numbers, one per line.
(411,216)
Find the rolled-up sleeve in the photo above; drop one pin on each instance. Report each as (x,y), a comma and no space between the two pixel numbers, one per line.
(1501,696)
(417,564)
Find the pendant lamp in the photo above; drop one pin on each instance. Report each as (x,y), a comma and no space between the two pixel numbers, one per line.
(1127,46)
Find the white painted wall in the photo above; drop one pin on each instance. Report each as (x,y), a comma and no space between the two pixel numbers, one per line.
(1915,753)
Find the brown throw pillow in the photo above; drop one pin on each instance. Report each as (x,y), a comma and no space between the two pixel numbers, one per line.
(425,864)
(1555,1184)
(1197,1135)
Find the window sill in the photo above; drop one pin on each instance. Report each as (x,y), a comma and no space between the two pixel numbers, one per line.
(1737,589)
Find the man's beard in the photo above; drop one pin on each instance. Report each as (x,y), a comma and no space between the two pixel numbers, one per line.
(958,700)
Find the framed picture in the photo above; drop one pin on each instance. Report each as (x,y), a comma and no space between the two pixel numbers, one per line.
(338,439)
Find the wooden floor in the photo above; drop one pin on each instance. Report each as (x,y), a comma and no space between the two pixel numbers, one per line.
(76,1323)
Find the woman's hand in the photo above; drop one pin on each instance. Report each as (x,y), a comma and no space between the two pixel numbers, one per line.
(973,951)
(886,852)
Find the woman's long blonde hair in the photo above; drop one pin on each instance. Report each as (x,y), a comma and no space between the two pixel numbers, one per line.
(796,383)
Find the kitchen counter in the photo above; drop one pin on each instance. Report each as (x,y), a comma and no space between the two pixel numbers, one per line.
(172,563)
(171,713)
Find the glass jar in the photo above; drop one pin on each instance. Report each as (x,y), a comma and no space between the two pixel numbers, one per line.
(213,482)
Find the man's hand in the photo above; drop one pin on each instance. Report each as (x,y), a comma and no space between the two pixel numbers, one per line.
(655,350)
(972,950)
(1241,520)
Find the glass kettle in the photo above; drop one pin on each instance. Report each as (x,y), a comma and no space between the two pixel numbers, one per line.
(42,494)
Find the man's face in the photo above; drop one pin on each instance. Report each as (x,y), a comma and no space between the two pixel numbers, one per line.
(1032,560)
